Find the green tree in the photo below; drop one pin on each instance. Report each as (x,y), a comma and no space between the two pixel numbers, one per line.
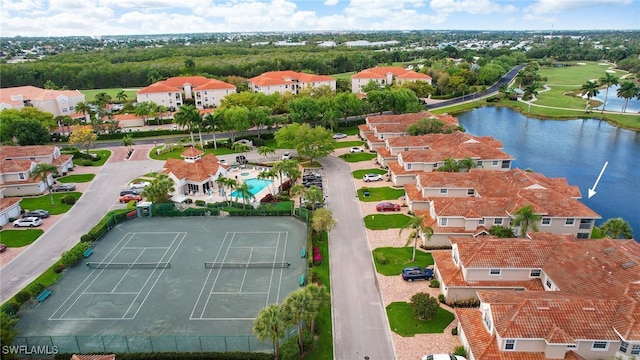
(260,118)
(266,151)
(450,165)
(270,324)
(467,164)
(313,197)
(212,122)
(285,167)
(607,80)
(269,175)
(235,120)
(143,110)
(627,91)
(128,142)
(190,65)
(121,96)
(244,192)
(83,135)
(160,189)
(188,116)
(8,331)
(296,308)
(348,104)
(402,101)
(304,110)
(417,226)
(84,108)
(526,219)
(590,90)
(44,172)
(323,220)
(31,132)
(298,190)
(313,143)
(319,298)
(424,306)
(616,228)
(502,231)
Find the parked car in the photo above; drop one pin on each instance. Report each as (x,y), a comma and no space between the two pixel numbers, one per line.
(356,149)
(130,192)
(222,162)
(42,214)
(139,184)
(372,177)
(417,273)
(241,159)
(286,155)
(28,222)
(339,136)
(63,187)
(3,248)
(442,357)
(387,206)
(128,197)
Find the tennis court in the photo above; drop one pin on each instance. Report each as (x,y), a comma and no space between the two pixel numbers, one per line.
(172,277)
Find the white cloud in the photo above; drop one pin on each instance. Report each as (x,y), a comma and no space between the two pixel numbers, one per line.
(22,5)
(543,7)
(330,2)
(470,6)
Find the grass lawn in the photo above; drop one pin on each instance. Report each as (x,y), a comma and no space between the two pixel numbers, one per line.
(400,258)
(44,202)
(346,75)
(576,74)
(357,157)
(104,156)
(324,346)
(358,174)
(349,130)
(386,221)
(79,178)
(90,95)
(403,322)
(346,144)
(20,238)
(175,153)
(380,193)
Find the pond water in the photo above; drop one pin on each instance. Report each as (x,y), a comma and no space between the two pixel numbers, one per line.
(573,149)
(614,103)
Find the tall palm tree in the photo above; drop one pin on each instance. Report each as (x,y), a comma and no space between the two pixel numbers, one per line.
(127,141)
(43,171)
(266,151)
(222,183)
(296,190)
(188,116)
(121,96)
(467,164)
(526,218)
(627,90)
(530,92)
(416,223)
(84,108)
(296,308)
(212,122)
(607,80)
(160,189)
(243,190)
(590,90)
(268,175)
(617,228)
(314,196)
(285,167)
(320,298)
(270,324)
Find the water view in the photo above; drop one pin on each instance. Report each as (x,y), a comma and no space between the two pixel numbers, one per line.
(574,149)
(614,103)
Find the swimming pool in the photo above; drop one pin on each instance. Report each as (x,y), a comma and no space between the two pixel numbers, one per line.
(255,186)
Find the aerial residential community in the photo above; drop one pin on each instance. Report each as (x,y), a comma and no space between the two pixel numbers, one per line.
(321,195)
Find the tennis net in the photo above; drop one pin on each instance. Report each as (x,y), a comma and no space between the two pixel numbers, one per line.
(144,265)
(246,265)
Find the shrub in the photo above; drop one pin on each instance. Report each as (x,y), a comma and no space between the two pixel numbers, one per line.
(11,308)
(442,299)
(267,198)
(424,306)
(200,203)
(459,350)
(71,257)
(35,289)
(382,260)
(454,331)
(465,303)
(434,284)
(285,186)
(68,199)
(85,162)
(317,256)
(22,297)
(87,238)
(12,219)
(58,268)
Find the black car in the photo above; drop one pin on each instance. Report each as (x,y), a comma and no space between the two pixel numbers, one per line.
(417,273)
(241,159)
(130,192)
(36,213)
(63,187)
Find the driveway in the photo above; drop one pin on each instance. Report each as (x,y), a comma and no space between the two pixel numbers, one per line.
(360,326)
(100,197)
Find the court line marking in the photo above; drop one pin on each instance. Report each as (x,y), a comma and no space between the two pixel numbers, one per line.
(239,292)
(238,319)
(284,252)
(125,273)
(146,248)
(109,293)
(215,280)
(206,280)
(272,271)
(244,277)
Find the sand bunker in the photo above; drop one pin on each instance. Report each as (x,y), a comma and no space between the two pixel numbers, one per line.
(610,71)
(581,64)
(604,64)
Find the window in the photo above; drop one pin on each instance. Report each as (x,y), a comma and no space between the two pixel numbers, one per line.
(509,344)
(583,236)
(495,162)
(546,221)
(635,350)
(600,345)
(21,176)
(443,221)
(443,191)
(487,320)
(572,346)
(495,272)
(569,222)
(435,165)
(549,284)
(481,221)
(479,163)
(471,192)
(408,166)
(497,221)
(455,257)
(406,149)
(623,347)
(535,273)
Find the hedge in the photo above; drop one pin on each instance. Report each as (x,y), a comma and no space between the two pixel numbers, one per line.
(185,356)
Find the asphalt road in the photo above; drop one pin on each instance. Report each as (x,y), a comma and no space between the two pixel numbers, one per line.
(360,326)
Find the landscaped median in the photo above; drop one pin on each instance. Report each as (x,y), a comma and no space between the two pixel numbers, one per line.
(76,178)
(379,194)
(357,157)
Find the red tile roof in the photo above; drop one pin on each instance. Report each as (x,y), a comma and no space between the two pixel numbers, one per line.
(14,166)
(6,203)
(409,118)
(197,171)
(26,151)
(398,72)
(287,77)
(174,84)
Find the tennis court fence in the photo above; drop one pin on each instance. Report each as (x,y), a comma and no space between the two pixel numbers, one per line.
(268,265)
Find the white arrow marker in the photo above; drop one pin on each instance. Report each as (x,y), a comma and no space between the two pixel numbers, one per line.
(592,191)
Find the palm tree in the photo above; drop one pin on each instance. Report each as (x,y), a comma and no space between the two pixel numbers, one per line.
(450,165)
(590,90)
(127,141)
(212,121)
(530,92)
(526,218)
(627,90)
(243,190)
(43,171)
(467,164)
(314,196)
(143,110)
(617,228)
(320,298)
(296,190)
(417,224)
(222,183)
(242,148)
(121,96)
(607,80)
(84,108)
(268,175)
(270,324)
(188,116)
(265,151)
(285,167)
(159,190)
(296,309)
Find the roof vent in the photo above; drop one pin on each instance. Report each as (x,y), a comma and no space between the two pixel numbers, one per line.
(610,249)
(588,309)
(629,264)
(543,308)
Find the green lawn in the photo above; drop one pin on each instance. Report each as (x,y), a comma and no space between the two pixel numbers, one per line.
(357,157)
(346,144)
(79,178)
(400,258)
(44,202)
(380,193)
(90,95)
(403,322)
(175,153)
(358,174)
(104,156)
(575,74)
(346,75)
(324,345)
(20,238)
(349,130)
(386,221)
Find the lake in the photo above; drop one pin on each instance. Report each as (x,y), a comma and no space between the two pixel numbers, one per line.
(573,149)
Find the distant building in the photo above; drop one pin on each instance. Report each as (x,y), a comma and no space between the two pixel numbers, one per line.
(288,81)
(385,76)
(56,102)
(173,91)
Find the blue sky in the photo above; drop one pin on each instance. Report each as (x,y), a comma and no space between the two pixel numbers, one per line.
(134,17)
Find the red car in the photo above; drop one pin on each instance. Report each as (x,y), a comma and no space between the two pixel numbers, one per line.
(387,206)
(128,197)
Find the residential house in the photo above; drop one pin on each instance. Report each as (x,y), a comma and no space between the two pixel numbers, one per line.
(288,81)
(469,204)
(576,299)
(56,102)
(172,92)
(378,128)
(17,162)
(384,76)
(194,174)
(9,208)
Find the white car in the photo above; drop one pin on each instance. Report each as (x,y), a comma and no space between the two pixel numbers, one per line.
(372,177)
(286,155)
(339,136)
(31,221)
(356,149)
(139,184)
(442,357)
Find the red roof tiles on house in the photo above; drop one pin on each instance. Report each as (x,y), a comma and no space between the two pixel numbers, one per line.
(197,171)
(24,151)
(398,72)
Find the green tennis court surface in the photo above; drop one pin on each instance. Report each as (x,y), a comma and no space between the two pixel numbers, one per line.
(147,279)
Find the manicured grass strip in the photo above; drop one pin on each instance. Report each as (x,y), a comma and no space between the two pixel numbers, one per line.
(104,156)
(380,193)
(90,95)
(175,153)
(324,346)
(79,178)
(348,144)
(349,130)
(358,174)
(357,157)
(44,202)
(403,322)
(397,259)
(386,221)
(20,238)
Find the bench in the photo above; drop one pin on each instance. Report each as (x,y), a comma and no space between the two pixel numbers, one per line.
(302,280)
(43,295)
(303,252)
(87,252)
